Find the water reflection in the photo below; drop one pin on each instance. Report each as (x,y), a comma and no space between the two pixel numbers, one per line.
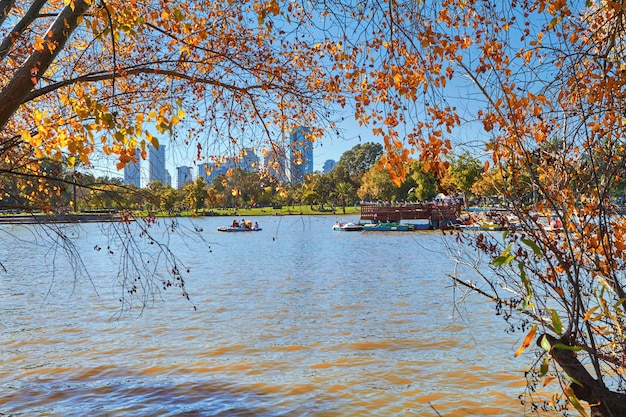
(295,320)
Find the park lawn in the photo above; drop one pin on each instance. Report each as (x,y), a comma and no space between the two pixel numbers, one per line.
(267,211)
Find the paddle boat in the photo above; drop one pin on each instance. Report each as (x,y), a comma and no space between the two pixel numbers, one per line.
(244,226)
(347,227)
(394,227)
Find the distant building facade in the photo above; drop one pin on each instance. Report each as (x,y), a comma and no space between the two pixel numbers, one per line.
(301,154)
(156,164)
(132,171)
(329,165)
(183,176)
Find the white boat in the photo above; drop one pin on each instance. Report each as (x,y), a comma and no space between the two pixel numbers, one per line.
(240,228)
(347,227)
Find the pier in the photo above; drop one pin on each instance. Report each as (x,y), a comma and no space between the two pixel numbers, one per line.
(440,215)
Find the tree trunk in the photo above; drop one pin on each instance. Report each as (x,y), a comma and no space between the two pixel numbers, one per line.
(29,74)
(602,401)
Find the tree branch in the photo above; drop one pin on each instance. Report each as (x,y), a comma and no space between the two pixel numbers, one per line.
(18,29)
(136,71)
(27,76)
(603,402)
(5,8)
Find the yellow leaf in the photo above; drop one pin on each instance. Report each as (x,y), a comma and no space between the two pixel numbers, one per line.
(26,136)
(527,340)
(154,141)
(575,402)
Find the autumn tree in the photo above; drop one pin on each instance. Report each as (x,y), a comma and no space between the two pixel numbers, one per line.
(196,194)
(518,75)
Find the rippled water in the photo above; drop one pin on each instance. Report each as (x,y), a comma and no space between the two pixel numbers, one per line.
(295,320)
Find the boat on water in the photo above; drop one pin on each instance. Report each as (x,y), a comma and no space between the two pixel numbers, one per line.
(244,226)
(238,229)
(394,227)
(347,227)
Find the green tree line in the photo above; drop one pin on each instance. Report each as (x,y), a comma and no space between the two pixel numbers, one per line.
(357,177)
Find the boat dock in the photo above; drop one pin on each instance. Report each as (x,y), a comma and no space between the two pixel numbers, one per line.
(440,215)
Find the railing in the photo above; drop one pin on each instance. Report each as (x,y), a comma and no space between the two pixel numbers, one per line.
(411,211)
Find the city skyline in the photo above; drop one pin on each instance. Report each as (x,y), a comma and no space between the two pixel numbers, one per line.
(281,165)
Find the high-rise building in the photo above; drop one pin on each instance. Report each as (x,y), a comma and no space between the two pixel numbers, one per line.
(156,164)
(301,154)
(132,171)
(329,164)
(183,176)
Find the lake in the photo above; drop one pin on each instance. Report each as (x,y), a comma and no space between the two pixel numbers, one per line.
(294,320)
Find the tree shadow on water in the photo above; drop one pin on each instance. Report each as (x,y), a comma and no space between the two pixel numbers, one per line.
(135,395)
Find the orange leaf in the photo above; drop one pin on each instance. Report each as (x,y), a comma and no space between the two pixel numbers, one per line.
(548,380)
(527,340)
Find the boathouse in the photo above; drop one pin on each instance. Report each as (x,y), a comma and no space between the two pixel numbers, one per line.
(440,215)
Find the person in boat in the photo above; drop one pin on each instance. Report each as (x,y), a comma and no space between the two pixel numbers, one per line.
(235,224)
(256,226)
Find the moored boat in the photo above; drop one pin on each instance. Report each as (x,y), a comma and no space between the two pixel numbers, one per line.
(347,227)
(388,227)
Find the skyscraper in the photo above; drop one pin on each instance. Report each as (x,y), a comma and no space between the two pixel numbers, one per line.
(183,176)
(132,171)
(329,164)
(156,164)
(301,154)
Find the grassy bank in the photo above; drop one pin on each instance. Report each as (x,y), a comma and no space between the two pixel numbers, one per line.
(269,211)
